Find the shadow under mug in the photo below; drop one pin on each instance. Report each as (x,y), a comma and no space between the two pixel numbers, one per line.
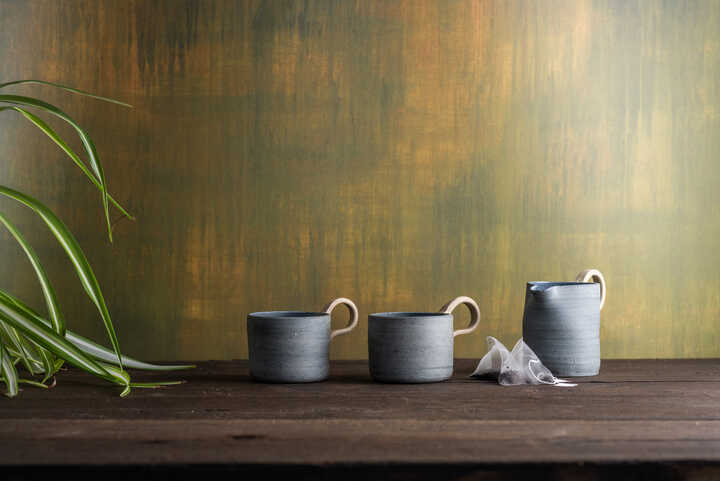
(416,347)
(293,346)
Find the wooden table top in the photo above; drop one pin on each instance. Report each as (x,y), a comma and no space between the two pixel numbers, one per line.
(639,411)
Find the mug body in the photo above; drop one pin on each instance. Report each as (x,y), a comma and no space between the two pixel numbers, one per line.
(289,346)
(561,324)
(410,347)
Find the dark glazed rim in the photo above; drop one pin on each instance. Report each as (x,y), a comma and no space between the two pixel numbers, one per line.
(269,315)
(405,315)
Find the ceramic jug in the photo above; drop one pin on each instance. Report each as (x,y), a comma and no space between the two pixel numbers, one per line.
(562,323)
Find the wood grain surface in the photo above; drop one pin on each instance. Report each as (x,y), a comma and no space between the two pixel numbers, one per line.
(281,154)
(642,415)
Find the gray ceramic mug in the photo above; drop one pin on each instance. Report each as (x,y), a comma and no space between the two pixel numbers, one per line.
(415,347)
(293,346)
(561,323)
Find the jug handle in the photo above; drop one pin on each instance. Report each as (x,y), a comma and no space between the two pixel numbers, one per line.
(353,315)
(474,313)
(596,276)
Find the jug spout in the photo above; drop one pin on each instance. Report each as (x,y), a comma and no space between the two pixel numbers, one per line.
(540,288)
(545,290)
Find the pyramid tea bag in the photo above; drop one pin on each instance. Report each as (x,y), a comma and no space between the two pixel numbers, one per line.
(511,368)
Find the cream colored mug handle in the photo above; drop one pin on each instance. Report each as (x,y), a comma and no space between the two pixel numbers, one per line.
(353,315)
(474,313)
(596,276)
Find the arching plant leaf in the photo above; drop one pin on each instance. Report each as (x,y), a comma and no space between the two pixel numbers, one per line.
(95,350)
(58,323)
(64,87)
(77,257)
(8,373)
(43,126)
(50,340)
(86,141)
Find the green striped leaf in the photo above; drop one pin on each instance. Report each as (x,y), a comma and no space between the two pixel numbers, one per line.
(49,364)
(50,340)
(8,372)
(94,350)
(44,127)
(86,141)
(77,257)
(12,338)
(32,383)
(63,87)
(58,323)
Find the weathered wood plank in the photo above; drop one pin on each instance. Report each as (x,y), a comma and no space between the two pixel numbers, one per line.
(633,390)
(634,411)
(341,441)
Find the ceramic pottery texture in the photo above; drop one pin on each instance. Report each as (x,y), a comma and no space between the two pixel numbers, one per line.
(288,346)
(562,325)
(410,347)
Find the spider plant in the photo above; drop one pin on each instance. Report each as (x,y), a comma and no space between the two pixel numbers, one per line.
(34,347)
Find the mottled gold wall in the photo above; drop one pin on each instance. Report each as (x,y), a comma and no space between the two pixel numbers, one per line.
(398,153)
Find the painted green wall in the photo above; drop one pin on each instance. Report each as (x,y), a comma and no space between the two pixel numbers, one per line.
(398,153)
